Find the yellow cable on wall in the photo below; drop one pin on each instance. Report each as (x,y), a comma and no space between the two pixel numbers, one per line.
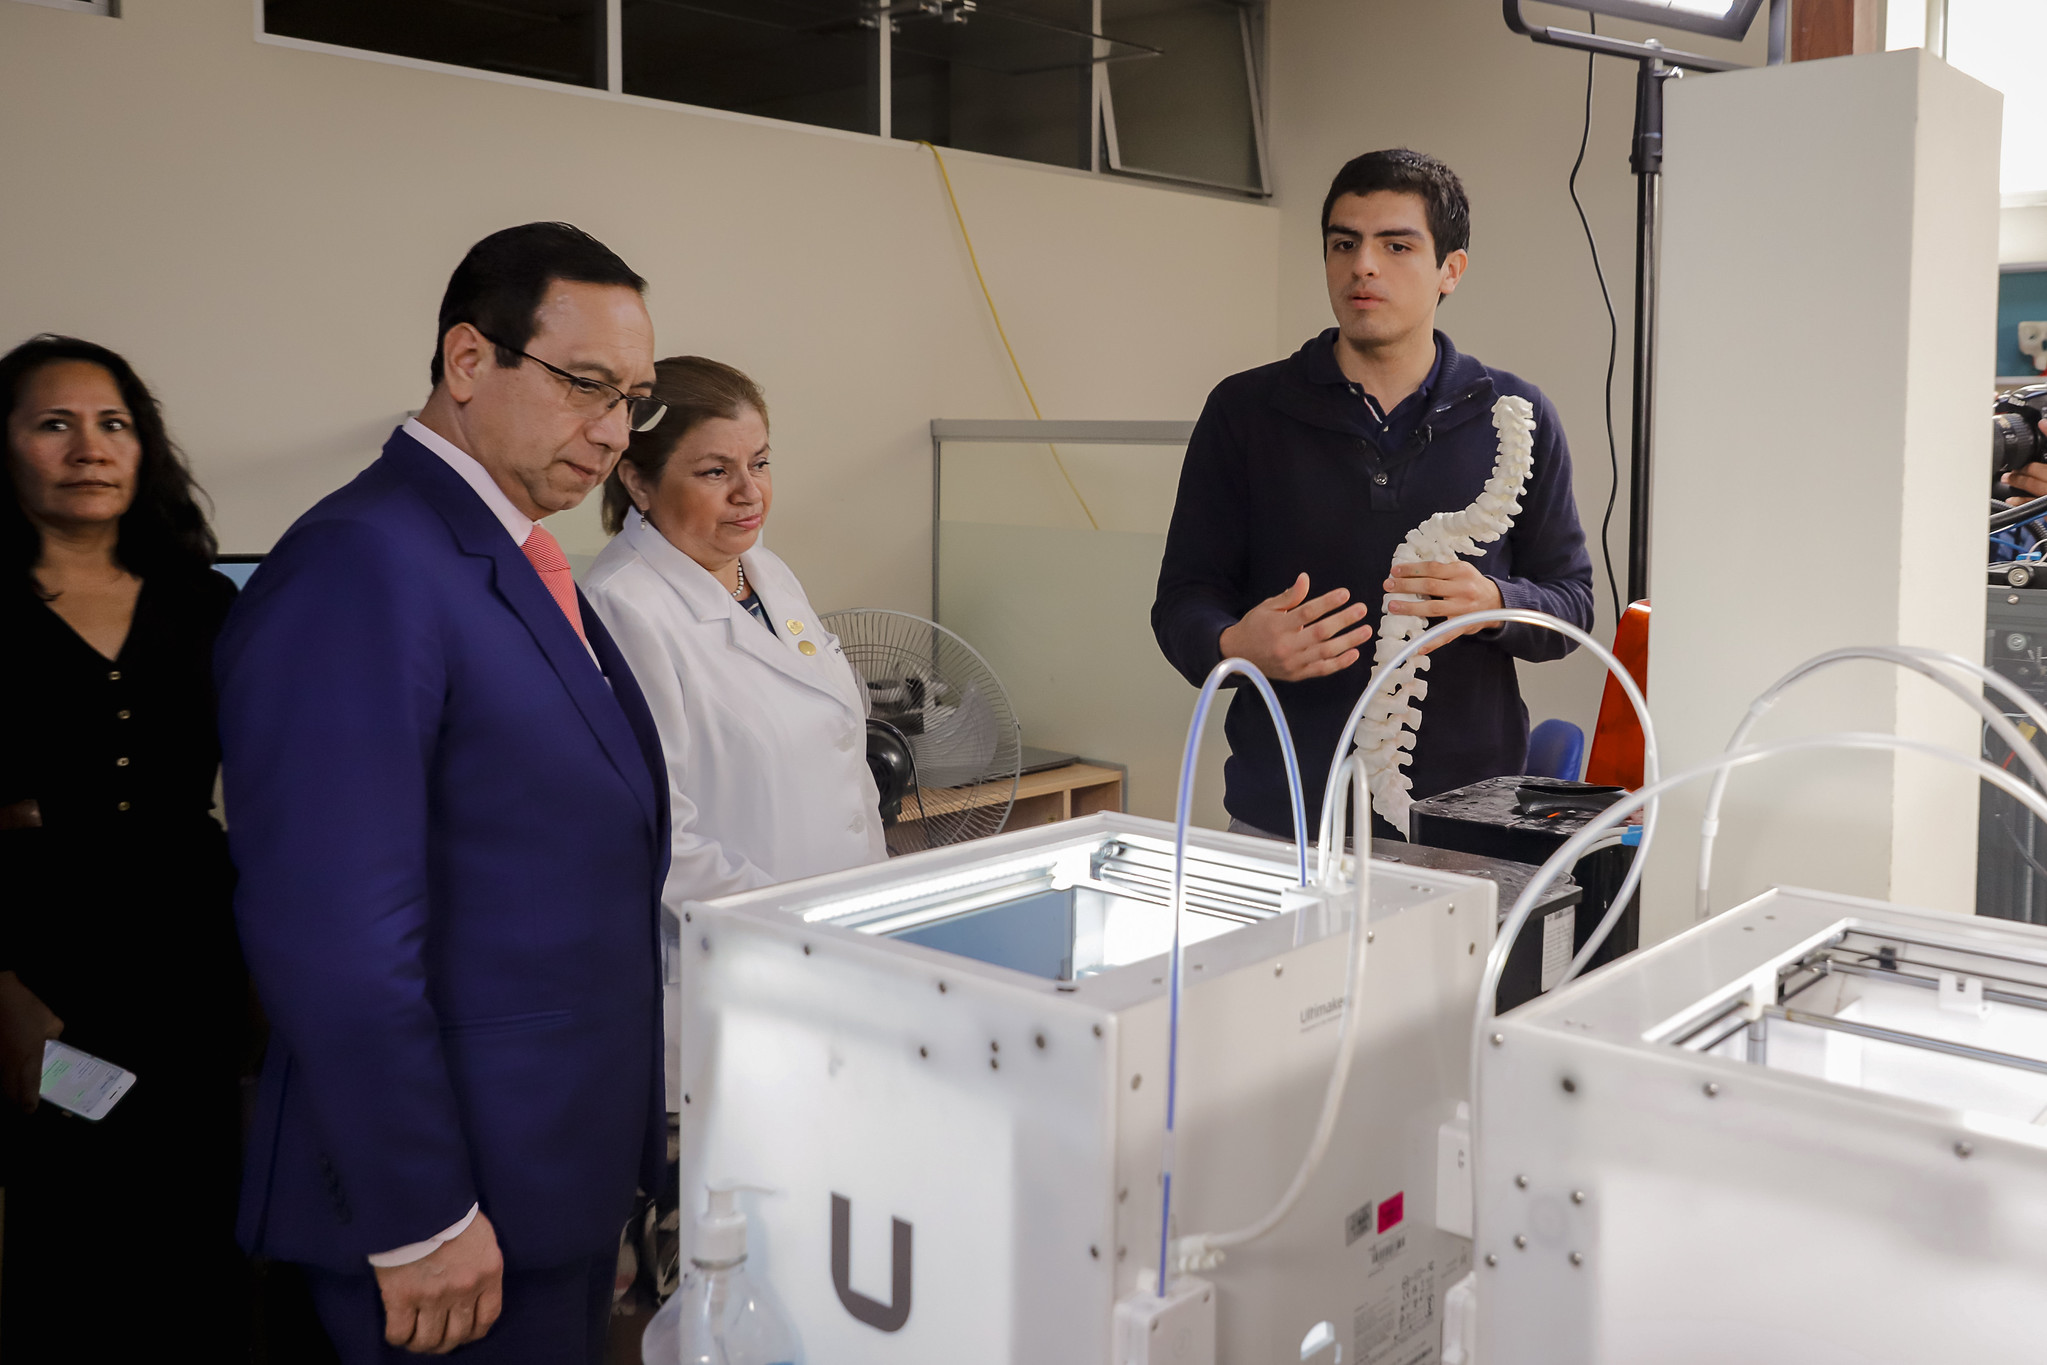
(1000,331)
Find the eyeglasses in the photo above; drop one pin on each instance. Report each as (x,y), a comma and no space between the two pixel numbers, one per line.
(594,396)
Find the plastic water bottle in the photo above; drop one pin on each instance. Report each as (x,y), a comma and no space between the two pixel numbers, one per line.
(720,1315)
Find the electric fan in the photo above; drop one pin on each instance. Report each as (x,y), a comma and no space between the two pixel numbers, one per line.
(944,747)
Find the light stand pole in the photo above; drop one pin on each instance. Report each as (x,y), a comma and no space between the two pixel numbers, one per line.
(1645,159)
(1654,64)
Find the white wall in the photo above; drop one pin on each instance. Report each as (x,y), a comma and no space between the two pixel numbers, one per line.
(1447,77)
(2022,235)
(266,231)
(1785,527)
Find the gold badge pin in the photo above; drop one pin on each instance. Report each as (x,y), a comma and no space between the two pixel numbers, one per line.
(805,648)
(795,627)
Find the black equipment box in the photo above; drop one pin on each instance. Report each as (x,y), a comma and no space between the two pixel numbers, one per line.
(2011,848)
(1482,818)
(1555,920)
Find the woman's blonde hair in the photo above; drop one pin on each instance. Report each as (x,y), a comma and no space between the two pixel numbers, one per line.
(696,390)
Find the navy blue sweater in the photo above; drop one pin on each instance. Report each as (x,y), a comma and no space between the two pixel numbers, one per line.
(1284,476)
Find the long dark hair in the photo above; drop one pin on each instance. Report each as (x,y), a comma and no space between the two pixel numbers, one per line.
(164,528)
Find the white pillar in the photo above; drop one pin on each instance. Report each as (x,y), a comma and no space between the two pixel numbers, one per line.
(1823,393)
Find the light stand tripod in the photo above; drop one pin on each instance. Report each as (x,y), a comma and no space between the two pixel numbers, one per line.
(1654,64)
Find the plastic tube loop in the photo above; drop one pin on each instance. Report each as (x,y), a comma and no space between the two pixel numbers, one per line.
(1330,846)
(1182,813)
(1918,659)
(1580,843)
(1203,1251)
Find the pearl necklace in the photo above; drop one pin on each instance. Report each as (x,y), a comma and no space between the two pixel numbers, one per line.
(739,593)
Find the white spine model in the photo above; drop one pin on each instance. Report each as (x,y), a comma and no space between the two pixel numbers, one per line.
(1386,734)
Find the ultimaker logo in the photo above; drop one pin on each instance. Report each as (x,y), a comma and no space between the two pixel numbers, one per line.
(1315,1015)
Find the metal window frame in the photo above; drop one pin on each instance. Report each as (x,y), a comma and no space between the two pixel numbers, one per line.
(107,9)
(1104,150)
(1109,147)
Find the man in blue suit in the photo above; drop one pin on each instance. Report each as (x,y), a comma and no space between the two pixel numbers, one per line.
(450,819)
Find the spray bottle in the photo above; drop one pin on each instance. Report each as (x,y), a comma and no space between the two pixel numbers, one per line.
(720,1315)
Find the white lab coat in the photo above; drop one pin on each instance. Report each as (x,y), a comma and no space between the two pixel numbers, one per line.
(765,739)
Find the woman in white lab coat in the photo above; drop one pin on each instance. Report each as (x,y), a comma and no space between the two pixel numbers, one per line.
(763,721)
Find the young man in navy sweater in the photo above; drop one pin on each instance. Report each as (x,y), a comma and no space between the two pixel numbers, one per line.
(1302,478)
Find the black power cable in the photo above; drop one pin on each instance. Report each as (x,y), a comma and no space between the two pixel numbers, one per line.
(1613,343)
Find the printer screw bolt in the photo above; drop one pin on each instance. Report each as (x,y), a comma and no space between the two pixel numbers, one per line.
(1577,1258)
(1491,1259)
(1520,1182)
(1520,1242)
(1577,1196)
(1712,1089)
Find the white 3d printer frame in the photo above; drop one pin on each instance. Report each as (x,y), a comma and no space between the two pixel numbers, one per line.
(1807,1129)
(967,1154)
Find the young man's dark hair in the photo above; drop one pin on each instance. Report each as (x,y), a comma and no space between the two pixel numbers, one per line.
(499,285)
(1417,173)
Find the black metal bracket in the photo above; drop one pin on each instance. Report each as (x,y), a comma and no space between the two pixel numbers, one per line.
(1518,21)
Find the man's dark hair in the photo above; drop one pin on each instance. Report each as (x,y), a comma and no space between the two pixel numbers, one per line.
(1416,173)
(500,284)
(164,529)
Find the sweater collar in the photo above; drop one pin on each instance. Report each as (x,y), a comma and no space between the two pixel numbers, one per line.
(1319,394)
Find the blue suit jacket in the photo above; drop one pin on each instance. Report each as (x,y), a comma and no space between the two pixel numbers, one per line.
(451,835)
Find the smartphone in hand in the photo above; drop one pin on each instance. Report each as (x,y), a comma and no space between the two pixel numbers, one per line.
(81,1083)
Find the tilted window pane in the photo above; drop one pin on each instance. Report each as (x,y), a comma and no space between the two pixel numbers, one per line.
(1186,114)
(1012,78)
(550,40)
(808,61)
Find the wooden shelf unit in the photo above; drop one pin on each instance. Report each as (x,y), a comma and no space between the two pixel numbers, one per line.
(1042,798)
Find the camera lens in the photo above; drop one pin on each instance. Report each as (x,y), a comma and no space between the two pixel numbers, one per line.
(2014,442)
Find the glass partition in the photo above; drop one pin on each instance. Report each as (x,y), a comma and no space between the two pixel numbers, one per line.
(1047,538)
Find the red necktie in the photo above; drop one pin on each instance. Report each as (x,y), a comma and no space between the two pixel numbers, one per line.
(545,554)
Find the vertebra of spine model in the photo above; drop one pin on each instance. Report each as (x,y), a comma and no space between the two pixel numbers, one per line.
(1386,734)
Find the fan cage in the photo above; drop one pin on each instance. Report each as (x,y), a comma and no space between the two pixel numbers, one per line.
(937,689)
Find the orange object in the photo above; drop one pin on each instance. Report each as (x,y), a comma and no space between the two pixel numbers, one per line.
(1616,758)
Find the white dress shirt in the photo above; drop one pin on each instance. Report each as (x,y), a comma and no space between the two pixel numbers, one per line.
(516,523)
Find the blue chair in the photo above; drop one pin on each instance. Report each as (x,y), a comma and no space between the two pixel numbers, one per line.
(1556,748)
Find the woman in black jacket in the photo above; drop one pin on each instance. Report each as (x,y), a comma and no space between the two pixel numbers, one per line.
(116,925)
